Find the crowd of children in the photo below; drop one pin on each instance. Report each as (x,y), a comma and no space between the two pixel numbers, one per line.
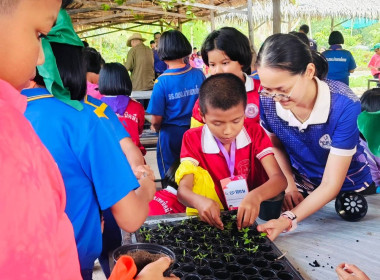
(71,154)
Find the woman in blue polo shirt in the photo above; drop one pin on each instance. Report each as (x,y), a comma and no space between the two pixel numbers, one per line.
(312,125)
(341,62)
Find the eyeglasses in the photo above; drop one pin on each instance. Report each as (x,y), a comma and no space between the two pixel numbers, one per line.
(277,96)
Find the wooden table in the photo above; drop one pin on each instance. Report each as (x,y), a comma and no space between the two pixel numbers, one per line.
(326,238)
(146,94)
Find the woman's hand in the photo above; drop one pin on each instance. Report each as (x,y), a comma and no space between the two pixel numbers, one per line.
(155,270)
(350,272)
(291,200)
(274,227)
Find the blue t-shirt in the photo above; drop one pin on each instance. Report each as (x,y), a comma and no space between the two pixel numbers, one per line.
(94,169)
(174,95)
(159,65)
(341,62)
(332,129)
(119,129)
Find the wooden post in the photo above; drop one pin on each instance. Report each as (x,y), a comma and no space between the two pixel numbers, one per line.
(179,28)
(276,16)
(250,23)
(212,16)
(310,31)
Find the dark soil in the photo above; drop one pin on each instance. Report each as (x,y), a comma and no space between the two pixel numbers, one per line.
(142,258)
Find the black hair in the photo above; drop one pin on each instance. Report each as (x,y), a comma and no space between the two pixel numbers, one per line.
(155,33)
(304,28)
(222,91)
(287,52)
(65,3)
(195,48)
(169,179)
(71,69)
(85,43)
(231,41)
(370,100)
(114,80)
(301,36)
(152,42)
(92,60)
(8,6)
(336,38)
(173,45)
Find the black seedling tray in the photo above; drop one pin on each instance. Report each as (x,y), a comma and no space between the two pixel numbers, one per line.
(205,253)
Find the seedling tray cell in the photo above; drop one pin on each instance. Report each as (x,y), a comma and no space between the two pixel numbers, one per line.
(204,252)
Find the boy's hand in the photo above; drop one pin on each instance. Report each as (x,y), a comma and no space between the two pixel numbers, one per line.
(291,200)
(142,171)
(155,270)
(247,212)
(147,189)
(209,212)
(274,227)
(350,272)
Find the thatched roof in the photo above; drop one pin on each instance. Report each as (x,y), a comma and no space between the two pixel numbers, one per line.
(93,14)
(262,11)
(86,13)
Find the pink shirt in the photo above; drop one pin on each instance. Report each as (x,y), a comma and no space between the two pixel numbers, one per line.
(36,236)
(93,90)
(375,61)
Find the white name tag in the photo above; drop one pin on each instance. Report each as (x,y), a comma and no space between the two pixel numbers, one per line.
(234,191)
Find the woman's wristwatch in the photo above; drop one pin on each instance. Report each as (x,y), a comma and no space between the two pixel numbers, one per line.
(292,220)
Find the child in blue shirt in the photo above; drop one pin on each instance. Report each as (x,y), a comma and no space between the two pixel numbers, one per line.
(173,97)
(341,62)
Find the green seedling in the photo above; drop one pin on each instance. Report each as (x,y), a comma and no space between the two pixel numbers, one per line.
(191,239)
(160,227)
(200,257)
(228,256)
(148,237)
(228,226)
(178,242)
(169,229)
(252,250)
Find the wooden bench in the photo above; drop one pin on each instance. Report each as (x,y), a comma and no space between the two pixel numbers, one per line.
(377,81)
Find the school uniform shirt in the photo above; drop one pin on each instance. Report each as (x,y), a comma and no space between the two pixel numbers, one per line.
(341,62)
(101,109)
(131,115)
(375,61)
(199,146)
(174,95)
(94,169)
(331,128)
(251,111)
(159,65)
(36,236)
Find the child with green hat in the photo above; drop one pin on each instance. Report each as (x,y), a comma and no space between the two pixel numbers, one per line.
(369,126)
(85,145)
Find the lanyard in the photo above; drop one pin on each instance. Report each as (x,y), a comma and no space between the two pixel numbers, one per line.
(230,159)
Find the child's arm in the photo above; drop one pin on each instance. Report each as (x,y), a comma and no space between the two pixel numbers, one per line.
(250,206)
(131,211)
(208,209)
(135,158)
(156,123)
